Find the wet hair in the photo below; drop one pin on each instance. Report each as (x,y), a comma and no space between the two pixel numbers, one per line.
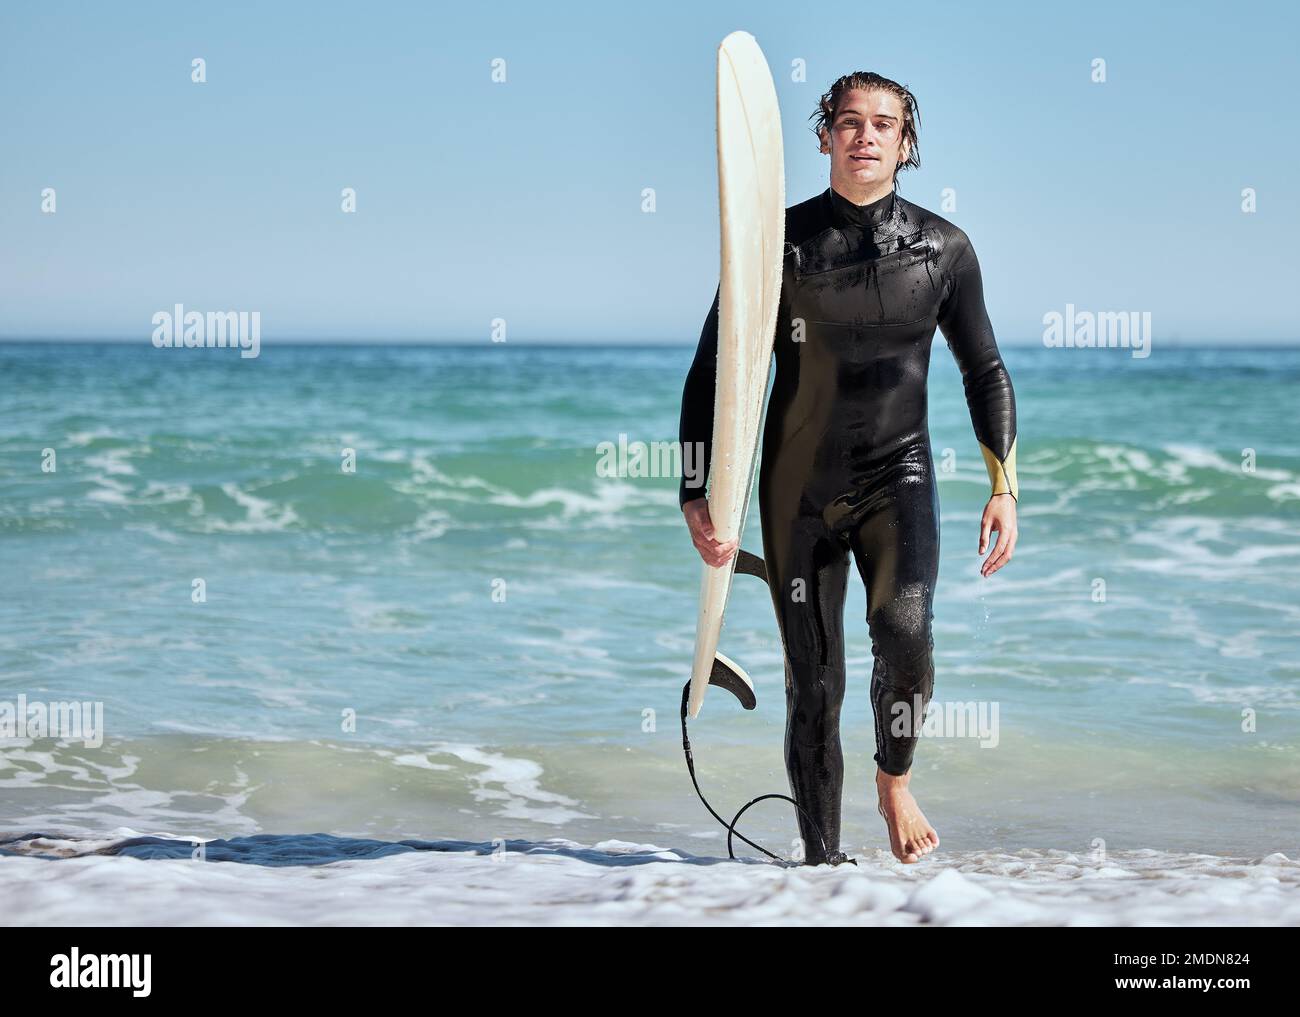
(869,81)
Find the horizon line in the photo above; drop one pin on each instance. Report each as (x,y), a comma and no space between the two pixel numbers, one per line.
(1191,343)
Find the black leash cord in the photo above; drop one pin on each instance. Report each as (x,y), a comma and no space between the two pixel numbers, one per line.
(731,827)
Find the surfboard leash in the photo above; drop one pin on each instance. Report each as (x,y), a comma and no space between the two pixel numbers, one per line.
(731,827)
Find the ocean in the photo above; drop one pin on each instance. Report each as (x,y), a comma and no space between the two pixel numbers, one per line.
(364,610)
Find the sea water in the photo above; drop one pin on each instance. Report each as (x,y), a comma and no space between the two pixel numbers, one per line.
(388,594)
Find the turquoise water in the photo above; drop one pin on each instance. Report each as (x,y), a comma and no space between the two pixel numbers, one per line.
(511,630)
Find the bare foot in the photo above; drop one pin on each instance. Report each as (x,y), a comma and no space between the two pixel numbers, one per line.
(911,837)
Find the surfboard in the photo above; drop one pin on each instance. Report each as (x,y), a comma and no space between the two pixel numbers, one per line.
(751,200)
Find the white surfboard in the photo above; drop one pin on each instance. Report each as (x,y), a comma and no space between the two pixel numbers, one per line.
(751,192)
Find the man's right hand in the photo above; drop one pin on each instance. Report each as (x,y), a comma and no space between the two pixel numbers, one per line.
(712,551)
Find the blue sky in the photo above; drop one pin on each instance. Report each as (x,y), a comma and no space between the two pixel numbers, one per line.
(522,200)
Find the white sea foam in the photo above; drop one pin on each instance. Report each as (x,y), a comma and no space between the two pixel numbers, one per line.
(110,491)
(431,525)
(512,784)
(157,532)
(313,879)
(263,515)
(114,461)
(1195,457)
(426,472)
(80,439)
(608,498)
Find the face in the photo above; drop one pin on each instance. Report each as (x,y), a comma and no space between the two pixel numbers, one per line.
(865,142)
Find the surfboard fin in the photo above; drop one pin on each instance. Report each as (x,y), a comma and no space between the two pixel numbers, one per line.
(750,564)
(727,674)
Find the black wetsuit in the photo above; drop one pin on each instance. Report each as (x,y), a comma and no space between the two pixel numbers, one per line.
(847,466)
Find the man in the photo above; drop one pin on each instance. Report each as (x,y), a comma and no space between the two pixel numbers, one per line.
(847,467)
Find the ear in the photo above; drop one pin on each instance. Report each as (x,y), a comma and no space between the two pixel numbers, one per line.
(825,141)
(904,152)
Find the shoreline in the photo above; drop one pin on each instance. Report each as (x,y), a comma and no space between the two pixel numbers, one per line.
(133,879)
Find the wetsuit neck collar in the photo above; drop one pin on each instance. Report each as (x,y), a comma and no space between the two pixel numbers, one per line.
(846,213)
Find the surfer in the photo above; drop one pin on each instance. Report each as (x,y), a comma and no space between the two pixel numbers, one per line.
(847,469)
